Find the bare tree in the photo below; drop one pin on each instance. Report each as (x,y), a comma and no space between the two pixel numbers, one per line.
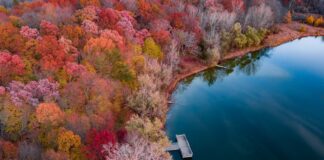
(259,17)
(137,148)
(172,57)
(148,100)
(29,151)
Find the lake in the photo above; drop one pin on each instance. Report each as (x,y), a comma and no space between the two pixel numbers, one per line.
(268,105)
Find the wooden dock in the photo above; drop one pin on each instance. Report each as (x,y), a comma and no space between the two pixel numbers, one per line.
(182,145)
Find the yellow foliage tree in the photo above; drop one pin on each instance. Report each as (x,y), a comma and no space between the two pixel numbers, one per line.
(3,10)
(319,22)
(310,20)
(137,49)
(138,63)
(69,143)
(152,49)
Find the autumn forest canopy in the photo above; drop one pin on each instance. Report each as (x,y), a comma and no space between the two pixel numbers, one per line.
(86,79)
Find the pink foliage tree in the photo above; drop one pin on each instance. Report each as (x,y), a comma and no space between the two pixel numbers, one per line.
(68,47)
(2,90)
(126,28)
(87,13)
(90,27)
(141,35)
(128,15)
(74,69)
(33,92)
(28,32)
(213,5)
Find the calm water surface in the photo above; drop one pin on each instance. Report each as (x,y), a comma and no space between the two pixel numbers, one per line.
(268,106)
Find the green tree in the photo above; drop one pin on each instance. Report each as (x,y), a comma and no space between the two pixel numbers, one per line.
(122,72)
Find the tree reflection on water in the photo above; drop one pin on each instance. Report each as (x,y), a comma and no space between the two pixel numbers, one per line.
(248,64)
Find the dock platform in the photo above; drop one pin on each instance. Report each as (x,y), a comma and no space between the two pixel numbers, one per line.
(182,145)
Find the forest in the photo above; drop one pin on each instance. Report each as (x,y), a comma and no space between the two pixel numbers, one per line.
(87,79)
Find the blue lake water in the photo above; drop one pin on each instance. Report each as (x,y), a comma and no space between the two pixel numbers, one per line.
(268,105)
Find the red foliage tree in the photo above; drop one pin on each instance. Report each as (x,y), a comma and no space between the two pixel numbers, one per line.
(53,55)
(121,135)
(234,5)
(160,30)
(95,141)
(8,150)
(47,28)
(162,36)
(108,18)
(10,65)
(176,20)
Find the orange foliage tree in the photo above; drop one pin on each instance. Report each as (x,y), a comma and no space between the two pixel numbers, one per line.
(10,38)
(288,17)
(97,46)
(49,114)
(74,33)
(84,3)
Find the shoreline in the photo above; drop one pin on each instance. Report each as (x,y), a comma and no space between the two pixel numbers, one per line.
(287,33)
